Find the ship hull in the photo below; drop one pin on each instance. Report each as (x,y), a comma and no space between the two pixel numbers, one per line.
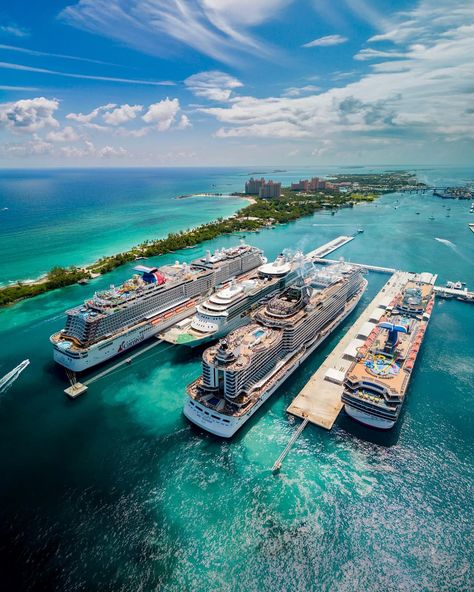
(221,332)
(215,422)
(107,349)
(367,419)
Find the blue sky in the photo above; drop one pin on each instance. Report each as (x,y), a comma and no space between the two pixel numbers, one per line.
(236,82)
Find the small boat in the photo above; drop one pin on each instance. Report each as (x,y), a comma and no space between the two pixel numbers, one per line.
(431,218)
(13,374)
(454,285)
(128,361)
(360,230)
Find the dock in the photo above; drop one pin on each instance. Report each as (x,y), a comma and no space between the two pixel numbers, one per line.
(77,388)
(320,400)
(376,268)
(329,247)
(463,295)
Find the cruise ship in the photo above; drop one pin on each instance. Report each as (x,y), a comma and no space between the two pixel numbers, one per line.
(119,318)
(243,370)
(376,383)
(229,308)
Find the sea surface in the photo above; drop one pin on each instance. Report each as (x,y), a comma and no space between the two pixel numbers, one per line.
(116,491)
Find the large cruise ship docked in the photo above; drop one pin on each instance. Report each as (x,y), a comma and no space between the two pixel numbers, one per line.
(229,308)
(376,383)
(117,319)
(243,370)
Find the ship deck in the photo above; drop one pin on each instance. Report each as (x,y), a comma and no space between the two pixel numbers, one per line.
(320,400)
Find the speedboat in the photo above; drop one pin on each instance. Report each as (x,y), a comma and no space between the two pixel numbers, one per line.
(13,374)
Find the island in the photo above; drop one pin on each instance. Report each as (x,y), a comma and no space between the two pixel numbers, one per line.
(338,191)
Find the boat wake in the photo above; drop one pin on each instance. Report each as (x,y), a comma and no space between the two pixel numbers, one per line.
(11,376)
(446,242)
(453,247)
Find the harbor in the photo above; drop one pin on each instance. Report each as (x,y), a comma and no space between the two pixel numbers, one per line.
(132,469)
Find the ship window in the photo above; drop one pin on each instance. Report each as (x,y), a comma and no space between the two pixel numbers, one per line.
(226,421)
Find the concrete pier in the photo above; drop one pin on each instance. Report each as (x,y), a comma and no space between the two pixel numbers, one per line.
(320,400)
(329,247)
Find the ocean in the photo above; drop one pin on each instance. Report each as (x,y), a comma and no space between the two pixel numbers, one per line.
(116,491)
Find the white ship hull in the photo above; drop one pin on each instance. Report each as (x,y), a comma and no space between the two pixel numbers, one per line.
(222,331)
(226,426)
(109,348)
(367,419)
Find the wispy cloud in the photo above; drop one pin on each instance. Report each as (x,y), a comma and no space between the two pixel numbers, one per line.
(216,28)
(10,66)
(374,54)
(434,70)
(34,52)
(17,88)
(326,41)
(213,85)
(14,30)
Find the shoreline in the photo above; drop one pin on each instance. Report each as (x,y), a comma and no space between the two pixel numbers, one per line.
(247,198)
(258,214)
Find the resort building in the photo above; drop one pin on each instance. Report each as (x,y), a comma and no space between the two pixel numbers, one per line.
(269,190)
(252,186)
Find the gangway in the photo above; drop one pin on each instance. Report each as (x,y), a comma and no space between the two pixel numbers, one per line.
(277,465)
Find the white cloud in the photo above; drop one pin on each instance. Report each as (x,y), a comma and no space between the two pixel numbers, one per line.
(67,134)
(184,122)
(426,93)
(29,115)
(34,147)
(214,85)
(122,114)
(296,91)
(88,117)
(216,28)
(326,41)
(87,149)
(162,114)
(111,152)
(373,54)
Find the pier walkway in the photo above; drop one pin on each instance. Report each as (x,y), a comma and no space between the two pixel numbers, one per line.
(464,295)
(320,400)
(376,268)
(329,247)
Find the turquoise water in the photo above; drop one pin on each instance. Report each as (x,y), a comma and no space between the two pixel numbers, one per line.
(64,217)
(116,491)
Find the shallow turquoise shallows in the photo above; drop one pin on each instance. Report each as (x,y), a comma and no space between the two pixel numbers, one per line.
(116,491)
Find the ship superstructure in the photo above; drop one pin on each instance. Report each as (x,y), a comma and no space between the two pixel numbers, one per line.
(116,319)
(241,372)
(229,308)
(377,382)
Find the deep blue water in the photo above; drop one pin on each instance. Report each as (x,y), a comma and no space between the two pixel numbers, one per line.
(116,491)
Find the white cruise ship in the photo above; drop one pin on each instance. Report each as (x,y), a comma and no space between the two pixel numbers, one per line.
(229,307)
(243,370)
(114,320)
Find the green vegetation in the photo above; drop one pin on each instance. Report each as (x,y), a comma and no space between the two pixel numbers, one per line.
(58,277)
(290,206)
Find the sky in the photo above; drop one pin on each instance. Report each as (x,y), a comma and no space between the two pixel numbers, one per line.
(236,82)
